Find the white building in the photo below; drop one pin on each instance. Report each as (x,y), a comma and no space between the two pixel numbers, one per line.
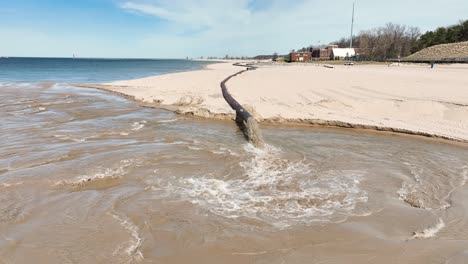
(341,53)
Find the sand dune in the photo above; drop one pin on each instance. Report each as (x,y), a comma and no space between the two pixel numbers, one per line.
(407,99)
(443,51)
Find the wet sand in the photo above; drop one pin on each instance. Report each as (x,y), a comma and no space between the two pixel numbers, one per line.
(89,177)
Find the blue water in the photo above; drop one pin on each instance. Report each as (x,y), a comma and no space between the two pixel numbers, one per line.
(70,70)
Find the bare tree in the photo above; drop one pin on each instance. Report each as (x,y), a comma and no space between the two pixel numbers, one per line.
(389,41)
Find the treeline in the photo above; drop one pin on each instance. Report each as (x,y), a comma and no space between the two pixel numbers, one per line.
(443,35)
(389,41)
(393,40)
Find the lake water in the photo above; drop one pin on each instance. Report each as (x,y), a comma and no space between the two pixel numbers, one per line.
(88,70)
(89,177)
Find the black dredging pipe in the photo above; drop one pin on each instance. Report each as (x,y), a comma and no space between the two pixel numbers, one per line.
(244,119)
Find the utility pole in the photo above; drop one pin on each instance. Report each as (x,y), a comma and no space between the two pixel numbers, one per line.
(352,27)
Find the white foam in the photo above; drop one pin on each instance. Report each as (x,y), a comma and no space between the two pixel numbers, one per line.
(6,185)
(138,125)
(135,242)
(224,151)
(277,191)
(430,231)
(168,120)
(464,175)
(38,110)
(195,148)
(219,151)
(67,137)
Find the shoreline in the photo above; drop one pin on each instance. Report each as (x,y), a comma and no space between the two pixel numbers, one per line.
(191,106)
(318,124)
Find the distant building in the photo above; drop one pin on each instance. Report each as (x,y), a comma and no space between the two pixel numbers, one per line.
(341,53)
(300,56)
(322,53)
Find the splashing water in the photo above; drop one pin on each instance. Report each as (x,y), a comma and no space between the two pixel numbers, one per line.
(278,191)
(430,231)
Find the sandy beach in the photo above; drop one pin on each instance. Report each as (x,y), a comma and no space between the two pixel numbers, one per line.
(412,99)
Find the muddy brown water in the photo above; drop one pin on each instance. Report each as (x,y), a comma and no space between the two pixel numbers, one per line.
(89,177)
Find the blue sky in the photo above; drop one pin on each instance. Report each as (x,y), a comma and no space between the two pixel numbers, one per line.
(194,28)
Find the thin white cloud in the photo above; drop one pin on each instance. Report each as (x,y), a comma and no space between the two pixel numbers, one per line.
(148,9)
(247,27)
(191,13)
(236,27)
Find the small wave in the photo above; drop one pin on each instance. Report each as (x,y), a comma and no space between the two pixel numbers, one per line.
(17,103)
(431,231)
(218,151)
(277,191)
(103,179)
(430,193)
(50,160)
(91,137)
(464,175)
(426,191)
(7,185)
(19,84)
(39,110)
(167,121)
(138,125)
(47,85)
(70,138)
(224,151)
(135,242)
(194,148)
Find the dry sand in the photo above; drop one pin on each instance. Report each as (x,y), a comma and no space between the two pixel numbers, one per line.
(407,99)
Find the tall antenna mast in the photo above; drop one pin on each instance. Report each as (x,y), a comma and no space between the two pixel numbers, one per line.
(352,27)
